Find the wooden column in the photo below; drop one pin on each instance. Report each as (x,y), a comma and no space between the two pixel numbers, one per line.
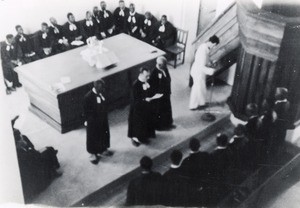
(268,58)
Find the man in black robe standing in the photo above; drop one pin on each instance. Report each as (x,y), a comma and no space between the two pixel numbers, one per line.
(140,121)
(160,82)
(121,14)
(95,111)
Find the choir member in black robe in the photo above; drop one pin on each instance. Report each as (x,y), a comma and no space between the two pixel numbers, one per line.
(160,82)
(72,31)
(251,125)
(140,121)
(11,56)
(60,42)
(44,42)
(146,188)
(107,25)
(164,33)
(133,22)
(97,131)
(121,14)
(147,29)
(26,45)
(88,27)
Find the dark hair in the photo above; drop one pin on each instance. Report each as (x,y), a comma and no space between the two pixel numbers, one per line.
(99,81)
(194,144)
(146,163)
(251,109)
(9,36)
(176,157)
(239,129)
(121,1)
(142,69)
(164,16)
(222,140)
(131,4)
(44,24)
(69,14)
(214,39)
(18,26)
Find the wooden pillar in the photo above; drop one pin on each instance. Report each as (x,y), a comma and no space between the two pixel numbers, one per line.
(268,58)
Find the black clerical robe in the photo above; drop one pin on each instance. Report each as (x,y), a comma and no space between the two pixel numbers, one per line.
(57,31)
(145,190)
(26,45)
(42,41)
(148,26)
(10,53)
(133,24)
(71,33)
(89,29)
(160,82)
(140,121)
(120,19)
(106,22)
(95,111)
(164,39)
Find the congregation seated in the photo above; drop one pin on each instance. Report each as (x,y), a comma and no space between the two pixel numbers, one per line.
(121,14)
(37,168)
(44,42)
(88,27)
(145,189)
(72,31)
(147,28)
(26,45)
(11,57)
(133,22)
(164,33)
(60,42)
(106,25)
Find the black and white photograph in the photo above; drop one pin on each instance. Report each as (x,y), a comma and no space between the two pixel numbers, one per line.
(141,103)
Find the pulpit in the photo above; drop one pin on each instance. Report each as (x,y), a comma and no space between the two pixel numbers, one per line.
(268,56)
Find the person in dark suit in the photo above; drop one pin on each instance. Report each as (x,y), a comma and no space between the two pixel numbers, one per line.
(44,42)
(251,125)
(72,31)
(178,189)
(11,57)
(88,27)
(164,33)
(133,22)
(107,25)
(221,157)
(95,16)
(160,81)
(121,14)
(197,163)
(97,128)
(147,28)
(26,45)
(145,189)
(60,42)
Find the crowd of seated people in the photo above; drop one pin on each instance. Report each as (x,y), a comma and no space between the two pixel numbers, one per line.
(54,38)
(38,168)
(202,178)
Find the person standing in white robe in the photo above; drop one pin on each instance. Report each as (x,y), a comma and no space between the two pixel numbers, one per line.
(199,71)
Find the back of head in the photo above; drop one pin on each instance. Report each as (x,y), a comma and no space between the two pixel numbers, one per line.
(176,157)
(222,140)
(214,39)
(146,163)
(251,109)
(194,144)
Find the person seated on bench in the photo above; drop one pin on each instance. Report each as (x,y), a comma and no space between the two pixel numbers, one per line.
(88,27)
(26,45)
(72,31)
(106,25)
(164,33)
(11,57)
(133,22)
(60,42)
(121,14)
(147,27)
(145,189)
(44,42)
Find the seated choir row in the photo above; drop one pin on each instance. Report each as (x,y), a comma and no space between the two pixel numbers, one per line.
(202,178)
(55,38)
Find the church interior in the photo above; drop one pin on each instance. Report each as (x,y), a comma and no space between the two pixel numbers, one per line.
(231,93)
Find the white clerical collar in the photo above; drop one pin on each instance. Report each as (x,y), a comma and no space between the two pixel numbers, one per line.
(94,91)
(281,101)
(175,166)
(140,79)
(193,152)
(71,23)
(161,70)
(218,147)
(132,13)
(8,43)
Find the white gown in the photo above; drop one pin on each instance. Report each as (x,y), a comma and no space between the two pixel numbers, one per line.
(198,72)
